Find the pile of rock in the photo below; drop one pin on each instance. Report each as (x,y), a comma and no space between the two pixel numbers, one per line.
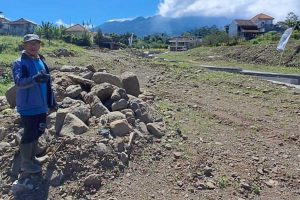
(104,104)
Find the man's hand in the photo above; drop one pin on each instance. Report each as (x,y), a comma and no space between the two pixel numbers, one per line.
(41,77)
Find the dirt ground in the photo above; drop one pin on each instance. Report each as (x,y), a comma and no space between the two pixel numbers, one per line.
(229,137)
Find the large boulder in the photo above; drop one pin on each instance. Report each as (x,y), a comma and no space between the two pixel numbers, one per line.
(78,108)
(98,109)
(102,77)
(60,118)
(59,92)
(68,68)
(11,96)
(103,91)
(86,84)
(131,83)
(73,125)
(110,117)
(73,91)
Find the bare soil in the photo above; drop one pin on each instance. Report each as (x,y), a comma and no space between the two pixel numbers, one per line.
(229,137)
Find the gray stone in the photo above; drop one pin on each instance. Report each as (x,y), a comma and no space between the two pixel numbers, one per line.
(112,116)
(271,183)
(93,180)
(129,115)
(156,129)
(84,83)
(51,119)
(103,77)
(73,125)
(119,105)
(60,118)
(78,108)
(119,144)
(3,133)
(102,149)
(4,146)
(59,92)
(87,75)
(131,83)
(73,91)
(118,94)
(91,68)
(103,91)
(67,68)
(11,96)
(98,109)
(143,128)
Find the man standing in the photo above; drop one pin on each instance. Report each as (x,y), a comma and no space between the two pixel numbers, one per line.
(34,97)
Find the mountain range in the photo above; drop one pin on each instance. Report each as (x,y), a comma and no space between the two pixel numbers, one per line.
(142,26)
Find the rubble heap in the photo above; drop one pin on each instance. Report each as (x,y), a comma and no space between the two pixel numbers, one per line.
(102,121)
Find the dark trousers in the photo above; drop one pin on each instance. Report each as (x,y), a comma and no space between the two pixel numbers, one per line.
(34,126)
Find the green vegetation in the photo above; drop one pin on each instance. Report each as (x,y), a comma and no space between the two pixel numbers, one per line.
(4,88)
(10,48)
(256,189)
(223,182)
(50,31)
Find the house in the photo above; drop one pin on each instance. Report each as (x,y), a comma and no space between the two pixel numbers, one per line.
(76,30)
(243,28)
(264,22)
(248,29)
(184,43)
(107,42)
(19,27)
(4,26)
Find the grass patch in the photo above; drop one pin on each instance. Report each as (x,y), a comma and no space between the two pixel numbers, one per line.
(11,47)
(223,182)
(256,190)
(4,87)
(216,56)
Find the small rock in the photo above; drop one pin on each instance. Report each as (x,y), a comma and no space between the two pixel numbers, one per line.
(180,183)
(271,183)
(177,154)
(210,185)
(93,180)
(245,186)
(156,129)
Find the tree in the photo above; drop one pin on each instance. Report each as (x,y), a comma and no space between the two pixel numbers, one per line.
(292,20)
(47,30)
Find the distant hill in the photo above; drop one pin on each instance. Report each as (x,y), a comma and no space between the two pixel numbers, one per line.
(141,26)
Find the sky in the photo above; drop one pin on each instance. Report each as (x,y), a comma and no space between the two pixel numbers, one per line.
(97,12)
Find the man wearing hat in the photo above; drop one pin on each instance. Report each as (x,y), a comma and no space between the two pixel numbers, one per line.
(34,97)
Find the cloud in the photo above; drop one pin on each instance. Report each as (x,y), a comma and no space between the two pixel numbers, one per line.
(61,23)
(228,8)
(120,20)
